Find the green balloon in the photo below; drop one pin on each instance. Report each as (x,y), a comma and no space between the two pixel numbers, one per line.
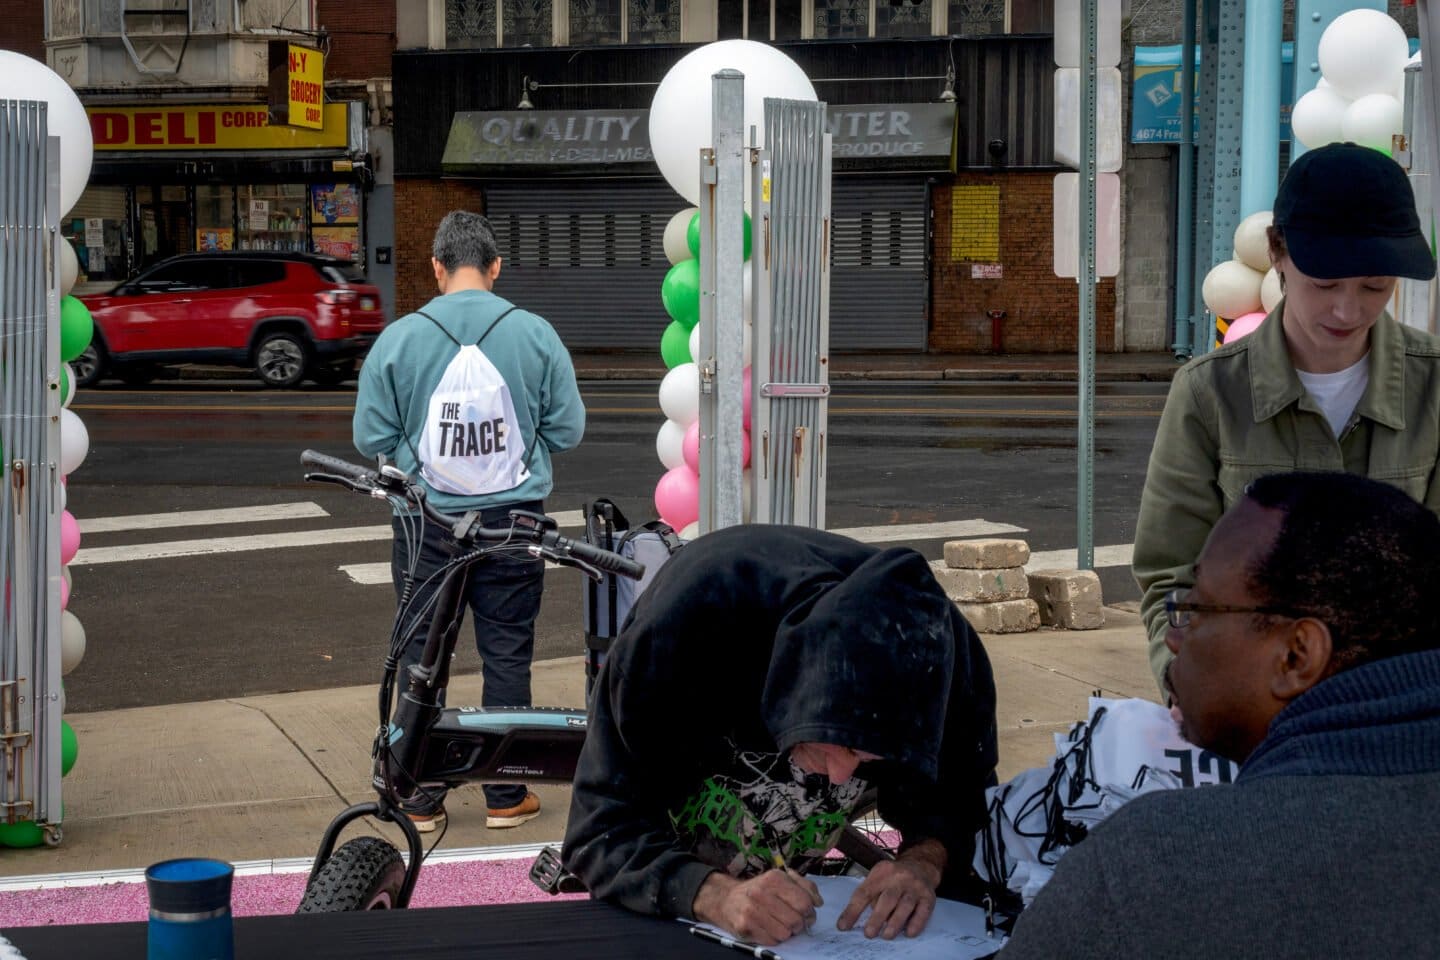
(675,344)
(77,328)
(692,236)
(69,747)
(681,293)
(26,833)
(65,385)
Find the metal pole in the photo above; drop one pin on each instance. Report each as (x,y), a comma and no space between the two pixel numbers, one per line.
(1260,128)
(1086,493)
(1185,215)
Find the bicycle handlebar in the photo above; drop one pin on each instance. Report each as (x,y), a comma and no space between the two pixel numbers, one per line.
(547,541)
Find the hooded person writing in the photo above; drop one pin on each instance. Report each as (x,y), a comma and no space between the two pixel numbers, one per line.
(767,680)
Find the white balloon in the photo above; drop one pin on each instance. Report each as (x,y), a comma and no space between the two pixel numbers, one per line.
(670,444)
(72,642)
(1372,121)
(1232,289)
(1252,243)
(67,381)
(677,246)
(681,112)
(680,394)
(1270,292)
(74,442)
(64,496)
(1362,51)
(747,295)
(1316,117)
(744,342)
(691,531)
(22,78)
(69,267)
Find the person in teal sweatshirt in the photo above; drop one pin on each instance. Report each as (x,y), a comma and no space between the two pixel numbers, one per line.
(477,427)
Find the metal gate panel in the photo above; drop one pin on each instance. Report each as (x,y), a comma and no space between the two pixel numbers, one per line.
(587,256)
(879,282)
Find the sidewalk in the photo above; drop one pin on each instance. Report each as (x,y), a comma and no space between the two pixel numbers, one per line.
(259,778)
(1029,367)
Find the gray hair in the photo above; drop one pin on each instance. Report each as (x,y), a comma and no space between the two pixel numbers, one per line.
(465,239)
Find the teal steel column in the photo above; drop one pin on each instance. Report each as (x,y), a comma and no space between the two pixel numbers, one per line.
(1185,192)
(1260,130)
(1311,19)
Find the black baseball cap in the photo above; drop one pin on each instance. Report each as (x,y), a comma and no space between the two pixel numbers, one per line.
(1348,211)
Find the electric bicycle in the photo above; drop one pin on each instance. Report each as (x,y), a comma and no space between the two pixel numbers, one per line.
(425,746)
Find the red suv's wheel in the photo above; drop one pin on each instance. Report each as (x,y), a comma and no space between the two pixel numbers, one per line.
(280,359)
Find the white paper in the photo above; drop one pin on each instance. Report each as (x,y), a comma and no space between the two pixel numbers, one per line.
(956,931)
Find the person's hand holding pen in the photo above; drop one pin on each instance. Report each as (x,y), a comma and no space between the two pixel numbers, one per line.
(766,909)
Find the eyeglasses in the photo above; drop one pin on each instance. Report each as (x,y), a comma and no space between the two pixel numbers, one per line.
(1178,609)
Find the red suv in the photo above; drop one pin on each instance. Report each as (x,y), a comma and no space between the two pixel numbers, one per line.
(287,316)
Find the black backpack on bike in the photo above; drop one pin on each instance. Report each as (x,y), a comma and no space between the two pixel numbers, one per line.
(608,602)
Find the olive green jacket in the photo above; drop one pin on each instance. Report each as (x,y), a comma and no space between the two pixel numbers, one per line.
(1241,412)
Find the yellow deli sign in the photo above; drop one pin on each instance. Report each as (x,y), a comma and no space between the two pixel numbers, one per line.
(306,87)
(211,127)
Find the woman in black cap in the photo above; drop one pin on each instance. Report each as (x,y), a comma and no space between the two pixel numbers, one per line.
(1329,381)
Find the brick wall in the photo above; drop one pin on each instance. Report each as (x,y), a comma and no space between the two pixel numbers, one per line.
(362,37)
(419,207)
(1005,220)
(22,27)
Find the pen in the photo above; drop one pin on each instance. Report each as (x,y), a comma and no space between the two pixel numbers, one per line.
(755,950)
(777,860)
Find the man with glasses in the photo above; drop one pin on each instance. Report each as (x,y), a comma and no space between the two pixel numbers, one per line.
(1309,651)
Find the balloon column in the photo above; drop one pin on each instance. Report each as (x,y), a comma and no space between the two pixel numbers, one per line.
(680,126)
(1240,292)
(22,78)
(1362,67)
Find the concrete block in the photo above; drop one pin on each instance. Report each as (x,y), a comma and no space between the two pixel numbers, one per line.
(1081,615)
(983,586)
(993,554)
(1065,586)
(1006,616)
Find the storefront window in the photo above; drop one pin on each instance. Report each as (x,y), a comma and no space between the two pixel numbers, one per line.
(470,23)
(214,218)
(594,21)
(654,21)
(528,23)
(98,227)
(335,220)
(272,217)
(842,19)
(902,18)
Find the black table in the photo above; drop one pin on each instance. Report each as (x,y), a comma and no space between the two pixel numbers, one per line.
(561,930)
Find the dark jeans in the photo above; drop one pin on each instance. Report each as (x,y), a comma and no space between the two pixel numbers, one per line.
(504,600)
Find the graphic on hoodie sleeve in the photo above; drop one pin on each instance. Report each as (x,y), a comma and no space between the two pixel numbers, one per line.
(764,801)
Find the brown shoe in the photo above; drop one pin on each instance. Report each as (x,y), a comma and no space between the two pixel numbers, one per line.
(526,810)
(427,822)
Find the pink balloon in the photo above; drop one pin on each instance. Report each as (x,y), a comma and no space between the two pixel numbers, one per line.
(677,497)
(745,391)
(69,537)
(690,446)
(1243,325)
(64,594)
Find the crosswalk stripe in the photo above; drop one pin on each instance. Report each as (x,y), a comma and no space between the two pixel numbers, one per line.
(214,545)
(889,533)
(200,518)
(1115,555)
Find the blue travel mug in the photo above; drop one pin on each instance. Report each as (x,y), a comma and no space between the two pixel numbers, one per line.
(190,910)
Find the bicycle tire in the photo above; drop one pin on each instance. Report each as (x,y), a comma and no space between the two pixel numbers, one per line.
(364,874)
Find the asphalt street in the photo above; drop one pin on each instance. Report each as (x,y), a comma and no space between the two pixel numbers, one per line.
(283,589)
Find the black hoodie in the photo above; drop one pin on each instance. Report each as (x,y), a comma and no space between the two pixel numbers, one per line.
(749,641)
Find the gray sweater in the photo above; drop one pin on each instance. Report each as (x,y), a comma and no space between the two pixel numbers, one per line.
(1327,845)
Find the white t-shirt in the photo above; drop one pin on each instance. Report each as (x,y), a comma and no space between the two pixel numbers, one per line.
(1338,393)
